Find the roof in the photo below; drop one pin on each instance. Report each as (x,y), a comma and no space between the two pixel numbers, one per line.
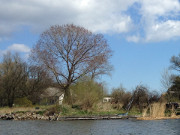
(52,92)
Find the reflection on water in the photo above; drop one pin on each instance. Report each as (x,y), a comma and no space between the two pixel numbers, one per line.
(96,127)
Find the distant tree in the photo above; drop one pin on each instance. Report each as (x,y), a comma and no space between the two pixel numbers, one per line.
(70,52)
(13,76)
(175,62)
(166,80)
(154,96)
(2,98)
(38,80)
(174,91)
(141,97)
(121,96)
(117,94)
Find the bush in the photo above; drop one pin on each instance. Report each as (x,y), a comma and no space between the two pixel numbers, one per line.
(120,97)
(141,97)
(87,92)
(23,102)
(57,109)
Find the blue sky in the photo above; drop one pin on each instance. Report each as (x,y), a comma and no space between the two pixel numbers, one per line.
(143,34)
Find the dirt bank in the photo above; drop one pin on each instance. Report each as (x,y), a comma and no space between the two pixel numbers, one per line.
(158,118)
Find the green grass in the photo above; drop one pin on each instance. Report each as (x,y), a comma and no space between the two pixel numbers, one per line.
(66,110)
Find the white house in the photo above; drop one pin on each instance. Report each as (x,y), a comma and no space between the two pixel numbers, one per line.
(52,95)
(107,99)
(61,99)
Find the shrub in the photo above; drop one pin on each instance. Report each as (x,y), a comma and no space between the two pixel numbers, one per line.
(86,93)
(23,102)
(57,109)
(141,97)
(120,97)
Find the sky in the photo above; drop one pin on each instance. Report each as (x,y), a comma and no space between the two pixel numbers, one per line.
(143,34)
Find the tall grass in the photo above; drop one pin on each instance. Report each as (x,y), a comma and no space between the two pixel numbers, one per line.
(5,110)
(157,109)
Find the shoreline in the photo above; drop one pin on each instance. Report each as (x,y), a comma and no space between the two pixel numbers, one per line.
(158,118)
(58,117)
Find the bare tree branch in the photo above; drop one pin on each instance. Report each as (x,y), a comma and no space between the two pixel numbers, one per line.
(71,52)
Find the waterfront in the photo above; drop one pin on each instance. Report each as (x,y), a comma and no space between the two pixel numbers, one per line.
(91,127)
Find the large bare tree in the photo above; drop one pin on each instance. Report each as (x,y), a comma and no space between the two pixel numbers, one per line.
(71,52)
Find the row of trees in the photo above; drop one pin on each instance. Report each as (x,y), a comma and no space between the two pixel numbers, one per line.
(18,79)
(140,97)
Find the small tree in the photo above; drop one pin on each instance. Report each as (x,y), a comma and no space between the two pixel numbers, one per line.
(166,80)
(87,92)
(121,97)
(154,96)
(69,52)
(141,97)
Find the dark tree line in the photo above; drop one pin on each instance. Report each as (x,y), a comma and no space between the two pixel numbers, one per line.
(18,79)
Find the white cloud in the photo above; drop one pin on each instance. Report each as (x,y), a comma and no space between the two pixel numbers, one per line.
(20,48)
(105,16)
(163,31)
(160,19)
(133,38)
(98,16)
(159,7)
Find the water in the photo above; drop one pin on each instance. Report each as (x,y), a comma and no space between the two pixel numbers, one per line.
(91,127)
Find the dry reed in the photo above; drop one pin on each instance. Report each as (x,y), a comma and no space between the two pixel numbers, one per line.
(157,110)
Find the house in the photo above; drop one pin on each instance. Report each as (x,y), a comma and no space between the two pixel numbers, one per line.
(52,95)
(61,99)
(107,99)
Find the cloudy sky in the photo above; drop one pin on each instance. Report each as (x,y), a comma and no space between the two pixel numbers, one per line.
(143,34)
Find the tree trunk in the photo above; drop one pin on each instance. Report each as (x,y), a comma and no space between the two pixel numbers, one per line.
(10,102)
(11,99)
(67,96)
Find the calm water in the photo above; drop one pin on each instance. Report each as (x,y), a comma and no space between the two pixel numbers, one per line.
(99,127)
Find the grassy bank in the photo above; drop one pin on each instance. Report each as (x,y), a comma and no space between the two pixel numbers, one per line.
(67,110)
(154,111)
